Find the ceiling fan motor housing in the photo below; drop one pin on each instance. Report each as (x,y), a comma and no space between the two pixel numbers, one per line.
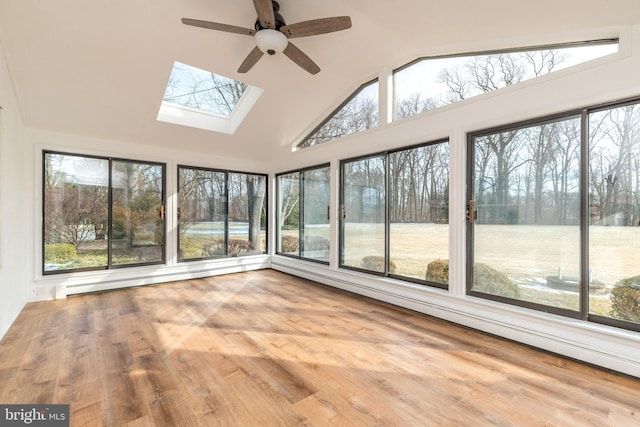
(279,20)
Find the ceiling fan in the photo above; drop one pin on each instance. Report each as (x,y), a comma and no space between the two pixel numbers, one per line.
(272,34)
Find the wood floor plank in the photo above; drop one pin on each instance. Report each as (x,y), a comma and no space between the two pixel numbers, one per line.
(266,348)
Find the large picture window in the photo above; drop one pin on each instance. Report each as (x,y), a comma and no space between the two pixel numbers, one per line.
(527,225)
(220,214)
(554,214)
(395,214)
(101,213)
(303,213)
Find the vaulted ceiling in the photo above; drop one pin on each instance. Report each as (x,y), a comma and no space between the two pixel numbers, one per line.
(99,68)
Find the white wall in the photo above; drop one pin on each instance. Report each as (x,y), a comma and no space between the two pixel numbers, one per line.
(601,81)
(14,227)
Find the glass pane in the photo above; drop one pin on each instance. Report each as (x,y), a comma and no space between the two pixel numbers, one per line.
(363,233)
(419,223)
(527,235)
(614,210)
(202,208)
(203,90)
(358,114)
(76,206)
(137,228)
(289,213)
(247,214)
(315,225)
(435,82)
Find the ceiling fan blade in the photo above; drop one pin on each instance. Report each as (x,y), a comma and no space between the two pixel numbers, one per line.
(300,58)
(266,16)
(316,26)
(218,27)
(250,60)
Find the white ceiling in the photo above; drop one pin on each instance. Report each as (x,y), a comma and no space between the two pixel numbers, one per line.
(99,68)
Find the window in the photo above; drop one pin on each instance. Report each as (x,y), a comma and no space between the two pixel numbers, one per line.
(526,232)
(430,83)
(614,212)
(419,213)
(247,214)
(206,100)
(555,214)
(221,214)
(359,112)
(395,214)
(101,213)
(303,213)
(289,214)
(202,213)
(363,214)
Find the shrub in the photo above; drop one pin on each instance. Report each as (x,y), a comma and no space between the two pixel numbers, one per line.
(236,247)
(625,299)
(316,243)
(438,271)
(486,279)
(57,253)
(290,244)
(376,263)
(491,281)
(213,249)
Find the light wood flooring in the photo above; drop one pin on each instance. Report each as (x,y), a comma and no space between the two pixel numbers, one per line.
(267,349)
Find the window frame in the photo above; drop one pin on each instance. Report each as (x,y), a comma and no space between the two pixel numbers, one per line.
(387,207)
(583,312)
(509,50)
(109,265)
(227,172)
(302,144)
(301,195)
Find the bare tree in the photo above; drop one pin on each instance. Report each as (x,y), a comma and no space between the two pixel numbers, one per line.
(203,90)
(359,114)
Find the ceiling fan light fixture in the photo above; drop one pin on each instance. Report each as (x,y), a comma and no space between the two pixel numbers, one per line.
(271,41)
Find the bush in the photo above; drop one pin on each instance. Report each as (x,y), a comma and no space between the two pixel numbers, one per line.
(491,281)
(486,279)
(213,249)
(57,253)
(290,244)
(376,263)
(438,271)
(316,243)
(625,299)
(236,247)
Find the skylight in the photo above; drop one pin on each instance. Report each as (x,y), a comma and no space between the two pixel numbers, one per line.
(206,100)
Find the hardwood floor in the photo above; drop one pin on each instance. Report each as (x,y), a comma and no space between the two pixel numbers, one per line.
(264,348)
